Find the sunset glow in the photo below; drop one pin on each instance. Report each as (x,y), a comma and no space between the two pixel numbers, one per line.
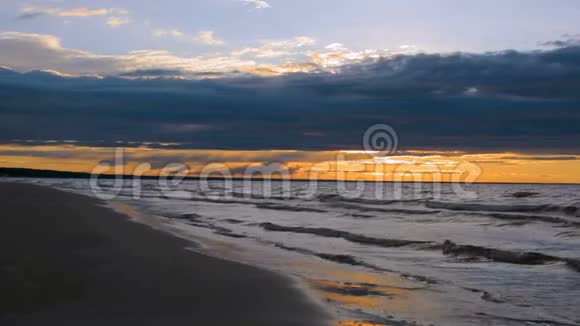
(420,166)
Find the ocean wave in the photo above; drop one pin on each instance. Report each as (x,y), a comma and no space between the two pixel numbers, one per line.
(448,247)
(522,219)
(221,200)
(568,209)
(351,260)
(505,256)
(386,210)
(568,234)
(332,233)
(486,296)
(342,259)
(289,208)
(195,220)
(523,194)
(359,215)
(260,205)
(261,197)
(339,198)
(538,322)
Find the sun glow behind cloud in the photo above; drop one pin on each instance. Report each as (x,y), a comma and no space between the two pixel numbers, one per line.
(116,21)
(29,11)
(27,51)
(205,37)
(115,16)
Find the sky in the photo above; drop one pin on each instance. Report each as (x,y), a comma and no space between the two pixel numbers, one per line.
(117,27)
(469,81)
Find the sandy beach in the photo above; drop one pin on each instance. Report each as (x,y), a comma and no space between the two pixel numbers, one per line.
(65,260)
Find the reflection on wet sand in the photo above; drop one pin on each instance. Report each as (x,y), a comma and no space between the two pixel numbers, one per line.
(361,294)
(381,294)
(360,297)
(357,323)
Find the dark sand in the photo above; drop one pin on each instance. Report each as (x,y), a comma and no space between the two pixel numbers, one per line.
(66,261)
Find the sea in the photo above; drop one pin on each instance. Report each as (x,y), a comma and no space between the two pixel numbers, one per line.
(381,253)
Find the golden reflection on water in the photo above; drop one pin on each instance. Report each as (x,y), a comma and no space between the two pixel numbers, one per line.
(367,296)
(385,294)
(126,210)
(357,323)
(359,301)
(360,295)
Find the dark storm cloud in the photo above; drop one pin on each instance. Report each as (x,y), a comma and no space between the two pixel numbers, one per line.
(542,158)
(528,101)
(567,41)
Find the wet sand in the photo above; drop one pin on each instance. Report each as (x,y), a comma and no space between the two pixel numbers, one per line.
(64,260)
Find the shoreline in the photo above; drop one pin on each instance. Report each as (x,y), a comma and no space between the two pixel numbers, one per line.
(69,260)
(201,245)
(16,173)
